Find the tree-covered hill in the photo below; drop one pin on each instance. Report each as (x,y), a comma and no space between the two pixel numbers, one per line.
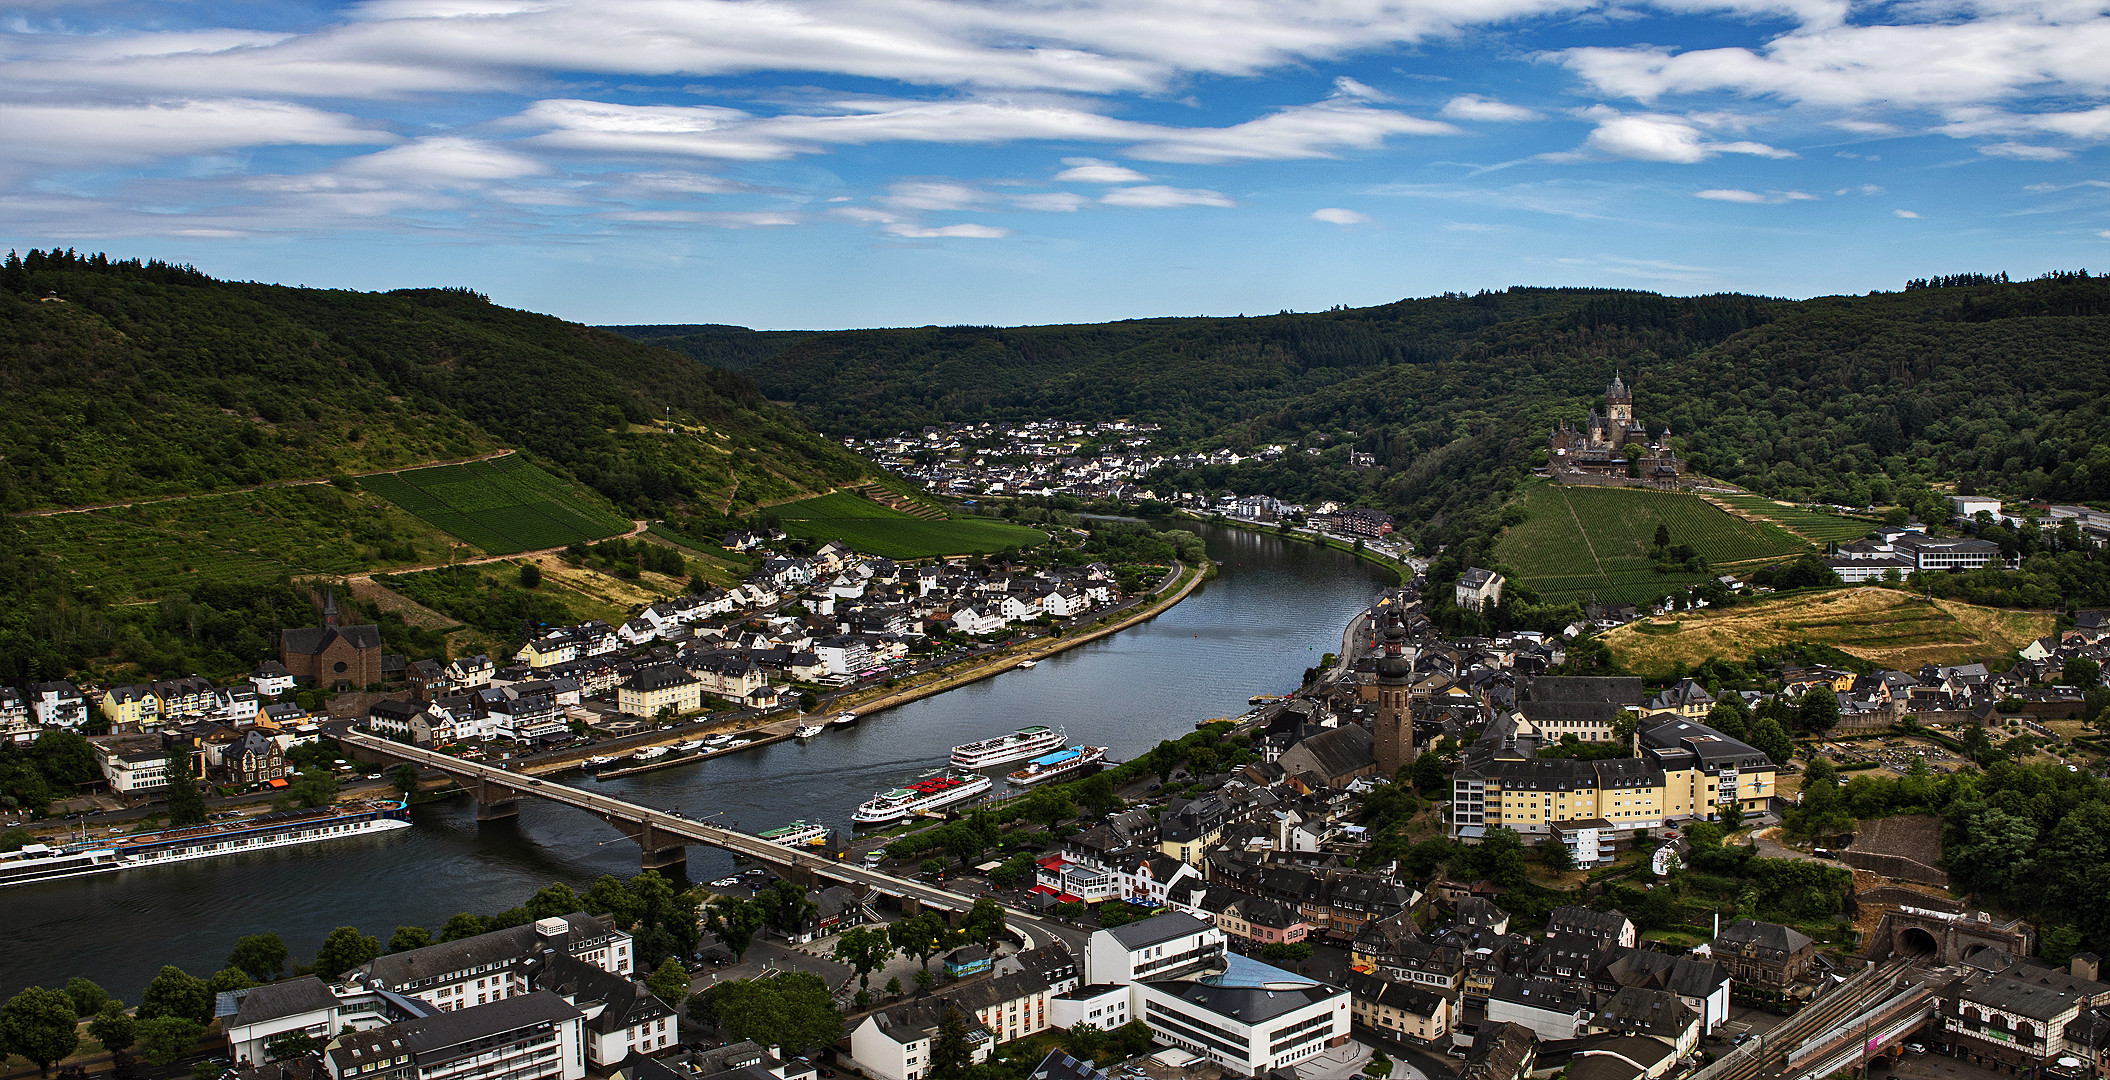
(131,380)
(1851,399)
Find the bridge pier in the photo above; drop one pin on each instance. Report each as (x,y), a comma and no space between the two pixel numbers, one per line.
(498,810)
(672,863)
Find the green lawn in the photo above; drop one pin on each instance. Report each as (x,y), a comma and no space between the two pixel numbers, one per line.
(503,506)
(1583,541)
(878,530)
(1814,524)
(145,552)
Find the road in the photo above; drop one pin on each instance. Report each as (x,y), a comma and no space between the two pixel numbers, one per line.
(303,482)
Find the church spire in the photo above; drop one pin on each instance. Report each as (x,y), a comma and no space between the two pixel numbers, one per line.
(329,607)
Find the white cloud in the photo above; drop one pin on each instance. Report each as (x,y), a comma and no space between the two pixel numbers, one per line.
(2025,152)
(1346,87)
(935,195)
(1084,170)
(1060,202)
(1334,215)
(1905,213)
(724,219)
(1768,198)
(1158,196)
(1655,137)
(1303,131)
(441,161)
(963,232)
(2105,234)
(1475,107)
(113,134)
(1864,127)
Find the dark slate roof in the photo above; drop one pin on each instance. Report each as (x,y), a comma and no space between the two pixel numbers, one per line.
(448,1029)
(1499,1050)
(1157,928)
(1576,919)
(1053,962)
(1617,1057)
(982,993)
(1060,1066)
(273,1000)
(1620,689)
(1419,1000)
(1335,752)
(627,1003)
(312,640)
(2021,998)
(511,943)
(1250,1005)
(916,1021)
(1639,1010)
(1772,939)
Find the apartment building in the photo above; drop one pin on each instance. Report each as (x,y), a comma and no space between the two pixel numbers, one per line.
(531,1037)
(494,966)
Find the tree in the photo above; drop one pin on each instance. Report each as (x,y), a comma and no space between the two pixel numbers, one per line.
(556,900)
(462,925)
(38,1024)
(867,950)
(669,981)
(1732,816)
(1730,717)
(921,936)
(407,938)
(1993,853)
(794,1010)
(1047,807)
(88,998)
(1769,736)
(186,803)
(1096,794)
(292,1046)
(112,1028)
(1430,775)
(165,1038)
(785,906)
(1662,538)
(949,1053)
(404,778)
(345,949)
(530,576)
(1379,1065)
(984,923)
(2081,671)
(1502,851)
(314,787)
(1819,710)
(735,921)
(1083,1041)
(1286,952)
(1556,856)
(174,993)
(262,956)
(893,985)
(925,979)
(227,979)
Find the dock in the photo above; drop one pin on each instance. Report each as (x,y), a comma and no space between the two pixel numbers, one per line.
(761,736)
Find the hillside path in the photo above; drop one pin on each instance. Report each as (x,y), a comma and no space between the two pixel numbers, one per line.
(1585,533)
(254,487)
(636,527)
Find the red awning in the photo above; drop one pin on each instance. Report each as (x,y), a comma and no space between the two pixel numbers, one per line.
(278,783)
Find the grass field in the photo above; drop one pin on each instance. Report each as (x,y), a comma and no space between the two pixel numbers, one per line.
(145,552)
(1893,628)
(1583,541)
(1812,524)
(878,530)
(503,506)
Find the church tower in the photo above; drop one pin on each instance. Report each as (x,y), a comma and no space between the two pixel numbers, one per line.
(1619,404)
(1394,728)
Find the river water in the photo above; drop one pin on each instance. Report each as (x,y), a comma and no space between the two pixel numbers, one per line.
(1276,607)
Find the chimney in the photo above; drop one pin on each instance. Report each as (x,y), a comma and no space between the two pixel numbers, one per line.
(2087,965)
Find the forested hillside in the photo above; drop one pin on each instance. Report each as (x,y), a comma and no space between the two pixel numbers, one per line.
(1995,385)
(130,380)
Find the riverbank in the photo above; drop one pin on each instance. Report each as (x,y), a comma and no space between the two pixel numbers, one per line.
(1406,571)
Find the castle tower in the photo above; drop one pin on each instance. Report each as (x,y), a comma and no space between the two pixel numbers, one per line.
(1394,729)
(1619,404)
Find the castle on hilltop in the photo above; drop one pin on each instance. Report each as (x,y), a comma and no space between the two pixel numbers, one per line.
(1613,446)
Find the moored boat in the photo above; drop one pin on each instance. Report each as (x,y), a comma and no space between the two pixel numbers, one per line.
(921,797)
(692,744)
(287,828)
(1057,765)
(844,719)
(1023,743)
(599,760)
(800,832)
(1027,665)
(651,753)
(807,731)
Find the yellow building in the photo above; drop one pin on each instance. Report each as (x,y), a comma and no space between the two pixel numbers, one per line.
(1686,770)
(656,688)
(130,705)
(1401,1010)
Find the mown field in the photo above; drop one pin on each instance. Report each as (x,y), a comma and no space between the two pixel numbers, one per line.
(1583,541)
(1812,524)
(146,552)
(879,530)
(1890,627)
(503,506)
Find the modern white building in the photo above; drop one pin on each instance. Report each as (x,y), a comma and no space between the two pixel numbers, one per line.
(530,1037)
(1170,946)
(264,1015)
(1103,1006)
(1247,1029)
(494,966)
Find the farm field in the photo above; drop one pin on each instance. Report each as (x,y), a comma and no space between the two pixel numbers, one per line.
(504,505)
(1812,524)
(147,551)
(879,530)
(1893,628)
(1582,541)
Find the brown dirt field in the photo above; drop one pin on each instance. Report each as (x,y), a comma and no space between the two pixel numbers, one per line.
(1886,626)
(611,596)
(388,599)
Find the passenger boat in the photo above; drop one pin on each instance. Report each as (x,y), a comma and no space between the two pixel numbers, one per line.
(844,719)
(1023,743)
(1057,765)
(798,833)
(1027,665)
(651,753)
(286,828)
(921,797)
(807,731)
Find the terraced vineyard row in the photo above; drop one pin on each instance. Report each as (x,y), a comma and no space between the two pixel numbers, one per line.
(1580,541)
(503,506)
(1816,525)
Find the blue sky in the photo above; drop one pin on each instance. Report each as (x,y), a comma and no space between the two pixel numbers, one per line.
(831,163)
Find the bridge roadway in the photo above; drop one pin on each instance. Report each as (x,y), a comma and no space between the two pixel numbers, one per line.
(663,836)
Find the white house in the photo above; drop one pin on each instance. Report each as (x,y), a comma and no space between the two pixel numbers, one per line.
(1174,945)
(1552,1009)
(304,1006)
(1103,1006)
(1248,1030)
(894,1044)
(531,1037)
(58,704)
(271,679)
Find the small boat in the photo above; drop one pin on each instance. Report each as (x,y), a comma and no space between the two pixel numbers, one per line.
(1027,665)
(807,731)
(650,753)
(692,744)
(599,761)
(844,719)
(718,741)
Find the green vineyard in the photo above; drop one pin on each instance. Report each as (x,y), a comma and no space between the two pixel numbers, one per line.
(1814,524)
(503,506)
(1578,542)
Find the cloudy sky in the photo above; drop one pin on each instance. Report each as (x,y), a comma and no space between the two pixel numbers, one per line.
(828,163)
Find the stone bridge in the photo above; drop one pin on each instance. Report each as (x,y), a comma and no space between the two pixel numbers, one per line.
(1946,937)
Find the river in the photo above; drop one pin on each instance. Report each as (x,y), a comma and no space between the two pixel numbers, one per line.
(1275,609)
